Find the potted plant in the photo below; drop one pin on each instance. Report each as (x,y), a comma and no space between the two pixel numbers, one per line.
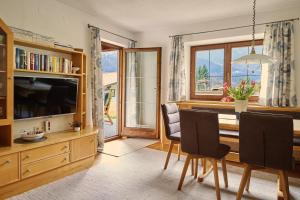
(76,126)
(241,94)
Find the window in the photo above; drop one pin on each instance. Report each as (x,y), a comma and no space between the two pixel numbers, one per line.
(211,67)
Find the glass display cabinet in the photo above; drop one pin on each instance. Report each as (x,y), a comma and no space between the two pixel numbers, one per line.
(6,70)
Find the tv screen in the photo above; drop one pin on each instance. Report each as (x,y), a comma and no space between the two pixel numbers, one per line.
(39,96)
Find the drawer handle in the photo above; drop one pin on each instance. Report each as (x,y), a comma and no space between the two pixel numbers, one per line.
(65,159)
(65,147)
(92,140)
(27,171)
(6,163)
(26,157)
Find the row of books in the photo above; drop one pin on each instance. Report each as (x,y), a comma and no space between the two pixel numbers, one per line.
(41,62)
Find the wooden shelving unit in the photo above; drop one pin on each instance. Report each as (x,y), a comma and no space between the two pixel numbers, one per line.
(78,59)
(6,74)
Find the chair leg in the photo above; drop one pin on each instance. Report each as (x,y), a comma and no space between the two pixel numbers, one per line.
(196,168)
(192,167)
(248,182)
(224,168)
(283,178)
(203,165)
(244,180)
(216,176)
(179,151)
(169,154)
(186,166)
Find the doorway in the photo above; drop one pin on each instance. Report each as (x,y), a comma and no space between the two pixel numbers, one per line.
(111,65)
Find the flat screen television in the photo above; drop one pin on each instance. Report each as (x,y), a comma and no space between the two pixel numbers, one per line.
(42,96)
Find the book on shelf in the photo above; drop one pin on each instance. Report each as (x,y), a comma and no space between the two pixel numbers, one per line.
(41,62)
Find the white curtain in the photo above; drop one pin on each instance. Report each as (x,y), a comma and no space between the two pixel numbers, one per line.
(96,85)
(132,88)
(278,79)
(177,78)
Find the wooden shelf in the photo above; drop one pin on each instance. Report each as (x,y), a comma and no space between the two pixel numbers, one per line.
(43,72)
(2,71)
(4,122)
(45,47)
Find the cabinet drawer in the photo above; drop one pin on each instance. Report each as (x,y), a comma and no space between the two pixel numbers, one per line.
(83,148)
(41,166)
(44,152)
(9,169)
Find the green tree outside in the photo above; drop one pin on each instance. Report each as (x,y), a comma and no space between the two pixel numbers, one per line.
(202,77)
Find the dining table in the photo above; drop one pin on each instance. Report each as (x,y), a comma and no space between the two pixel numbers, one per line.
(230,122)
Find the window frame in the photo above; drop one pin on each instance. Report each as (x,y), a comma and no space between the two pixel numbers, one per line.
(227,67)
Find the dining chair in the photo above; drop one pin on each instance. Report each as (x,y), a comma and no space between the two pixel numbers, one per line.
(200,139)
(267,146)
(172,127)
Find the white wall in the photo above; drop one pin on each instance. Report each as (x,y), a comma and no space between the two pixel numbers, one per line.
(65,24)
(161,38)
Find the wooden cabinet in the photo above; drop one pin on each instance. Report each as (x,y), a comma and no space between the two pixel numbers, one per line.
(9,169)
(44,152)
(83,147)
(41,166)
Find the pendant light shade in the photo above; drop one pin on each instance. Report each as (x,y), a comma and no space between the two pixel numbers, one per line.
(253,57)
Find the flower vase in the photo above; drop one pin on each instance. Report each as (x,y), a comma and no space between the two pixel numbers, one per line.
(240,106)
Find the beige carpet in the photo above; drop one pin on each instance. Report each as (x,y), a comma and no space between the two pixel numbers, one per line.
(139,176)
(122,147)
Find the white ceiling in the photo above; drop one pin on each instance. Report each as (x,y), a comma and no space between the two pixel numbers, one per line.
(143,15)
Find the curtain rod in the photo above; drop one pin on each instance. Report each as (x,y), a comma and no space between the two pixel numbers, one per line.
(91,26)
(231,28)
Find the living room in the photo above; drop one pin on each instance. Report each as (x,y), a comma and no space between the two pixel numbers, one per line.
(108,99)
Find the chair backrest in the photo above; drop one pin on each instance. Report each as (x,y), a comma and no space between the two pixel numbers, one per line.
(266,140)
(171,118)
(199,132)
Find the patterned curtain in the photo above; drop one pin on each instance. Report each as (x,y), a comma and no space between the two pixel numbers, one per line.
(177,80)
(96,85)
(280,76)
(132,88)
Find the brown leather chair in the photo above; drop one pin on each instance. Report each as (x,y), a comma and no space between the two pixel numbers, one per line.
(200,139)
(172,127)
(266,141)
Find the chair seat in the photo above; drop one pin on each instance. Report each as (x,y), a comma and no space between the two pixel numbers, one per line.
(223,150)
(228,133)
(175,136)
(296,141)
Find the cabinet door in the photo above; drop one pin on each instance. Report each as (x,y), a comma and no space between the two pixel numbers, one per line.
(9,169)
(83,147)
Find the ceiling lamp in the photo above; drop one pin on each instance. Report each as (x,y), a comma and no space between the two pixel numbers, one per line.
(253,57)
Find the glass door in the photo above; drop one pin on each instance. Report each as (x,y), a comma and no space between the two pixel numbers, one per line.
(141,93)
(3,73)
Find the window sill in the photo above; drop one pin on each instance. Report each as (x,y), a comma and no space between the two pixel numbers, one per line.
(230,105)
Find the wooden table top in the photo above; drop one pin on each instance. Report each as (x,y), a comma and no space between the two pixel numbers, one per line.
(229,122)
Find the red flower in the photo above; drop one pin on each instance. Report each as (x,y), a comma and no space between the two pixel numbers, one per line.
(243,82)
(252,83)
(225,86)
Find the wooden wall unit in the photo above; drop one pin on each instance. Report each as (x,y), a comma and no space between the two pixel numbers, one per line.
(25,166)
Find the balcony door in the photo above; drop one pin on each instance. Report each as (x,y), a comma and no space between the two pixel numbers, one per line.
(141,92)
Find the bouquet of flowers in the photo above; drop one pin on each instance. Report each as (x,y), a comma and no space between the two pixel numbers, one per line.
(241,92)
